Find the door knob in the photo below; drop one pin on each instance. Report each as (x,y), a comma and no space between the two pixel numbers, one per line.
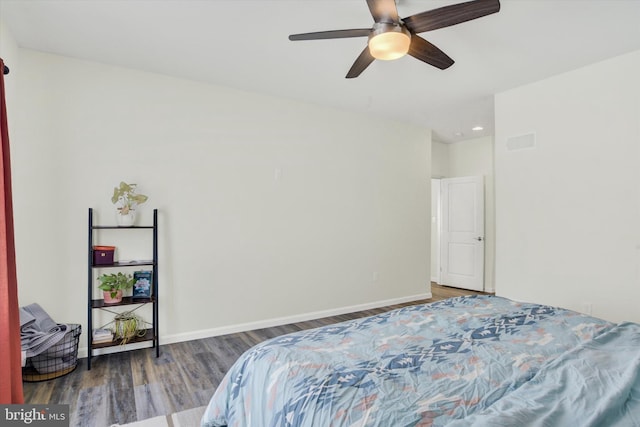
(479,239)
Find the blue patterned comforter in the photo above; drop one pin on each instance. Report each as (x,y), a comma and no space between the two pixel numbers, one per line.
(425,365)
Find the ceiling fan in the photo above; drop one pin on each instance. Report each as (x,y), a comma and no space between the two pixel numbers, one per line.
(392,37)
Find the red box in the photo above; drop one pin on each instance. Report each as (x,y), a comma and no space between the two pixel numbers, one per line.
(103,255)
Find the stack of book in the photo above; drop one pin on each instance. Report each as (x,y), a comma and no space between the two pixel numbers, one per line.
(101,336)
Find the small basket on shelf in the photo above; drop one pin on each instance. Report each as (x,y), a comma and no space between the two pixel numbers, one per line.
(103,255)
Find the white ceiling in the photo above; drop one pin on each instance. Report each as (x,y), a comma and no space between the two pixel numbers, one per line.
(243,44)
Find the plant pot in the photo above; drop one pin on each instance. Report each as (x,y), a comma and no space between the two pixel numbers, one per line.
(109,300)
(128,326)
(126,220)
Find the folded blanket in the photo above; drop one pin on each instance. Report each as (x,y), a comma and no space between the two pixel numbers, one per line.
(38,331)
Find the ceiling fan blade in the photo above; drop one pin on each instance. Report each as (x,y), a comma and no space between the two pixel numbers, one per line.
(335,34)
(383,10)
(451,15)
(364,60)
(427,52)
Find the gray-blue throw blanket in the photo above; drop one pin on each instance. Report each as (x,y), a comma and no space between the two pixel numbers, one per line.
(41,338)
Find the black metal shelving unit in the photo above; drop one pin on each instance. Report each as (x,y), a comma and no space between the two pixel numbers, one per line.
(99,304)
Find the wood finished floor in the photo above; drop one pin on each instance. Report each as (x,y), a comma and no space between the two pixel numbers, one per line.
(124,387)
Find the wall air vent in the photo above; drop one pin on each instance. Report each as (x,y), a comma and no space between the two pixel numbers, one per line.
(521,142)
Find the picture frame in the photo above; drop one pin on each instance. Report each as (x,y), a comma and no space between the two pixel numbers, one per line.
(142,281)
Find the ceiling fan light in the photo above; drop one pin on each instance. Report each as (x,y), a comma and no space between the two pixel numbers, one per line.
(389,42)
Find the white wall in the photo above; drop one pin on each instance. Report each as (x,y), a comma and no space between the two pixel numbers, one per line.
(439,159)
(269,209)
(568,211)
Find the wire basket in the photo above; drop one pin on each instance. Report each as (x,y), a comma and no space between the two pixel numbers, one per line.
(58,360)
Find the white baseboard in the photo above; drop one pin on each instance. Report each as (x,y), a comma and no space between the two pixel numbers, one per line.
(82,351)
(267,323)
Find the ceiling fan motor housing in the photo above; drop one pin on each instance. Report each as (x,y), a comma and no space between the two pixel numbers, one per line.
(389,41)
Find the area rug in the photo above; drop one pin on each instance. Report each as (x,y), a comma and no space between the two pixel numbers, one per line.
(188,418)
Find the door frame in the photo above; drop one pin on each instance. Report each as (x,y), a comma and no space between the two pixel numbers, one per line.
(436,223)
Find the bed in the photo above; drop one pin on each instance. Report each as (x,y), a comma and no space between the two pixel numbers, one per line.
(466,361)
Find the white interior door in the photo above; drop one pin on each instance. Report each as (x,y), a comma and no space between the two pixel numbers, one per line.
(462,236)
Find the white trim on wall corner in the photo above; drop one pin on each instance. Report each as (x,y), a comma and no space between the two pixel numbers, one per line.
(268,323)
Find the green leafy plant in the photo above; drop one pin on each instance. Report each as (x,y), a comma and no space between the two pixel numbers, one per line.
(126,198)
(114,282)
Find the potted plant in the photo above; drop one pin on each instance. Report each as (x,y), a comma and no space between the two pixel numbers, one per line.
(113,284)
(129,326)
(126,200)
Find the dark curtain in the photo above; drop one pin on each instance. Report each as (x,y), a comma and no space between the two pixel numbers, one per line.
(10,360)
